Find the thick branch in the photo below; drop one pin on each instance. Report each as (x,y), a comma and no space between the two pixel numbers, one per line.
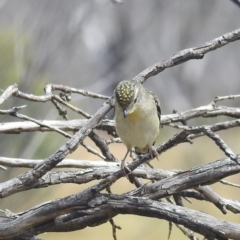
(103,207)
(29,178)
(168,186)
(201,175)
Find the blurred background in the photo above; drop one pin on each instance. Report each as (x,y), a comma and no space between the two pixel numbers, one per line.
(93,45)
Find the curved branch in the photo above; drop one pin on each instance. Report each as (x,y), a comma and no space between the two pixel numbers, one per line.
(189,54)
(104,207)
(201,175)
(205,174)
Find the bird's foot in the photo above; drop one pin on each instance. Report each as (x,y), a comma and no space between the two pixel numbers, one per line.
(125,169)
(153,152)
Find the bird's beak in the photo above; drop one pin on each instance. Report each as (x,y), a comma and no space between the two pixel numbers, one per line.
(125,113)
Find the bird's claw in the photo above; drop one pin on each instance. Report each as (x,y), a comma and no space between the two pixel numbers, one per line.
(153,152)
(124,167)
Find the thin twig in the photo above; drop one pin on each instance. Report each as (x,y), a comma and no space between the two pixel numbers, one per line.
(93,151)
(49,97)
(108,125)
(14,112)
(229,183)
(186,232)
(221,98)
(170,224)
(219,142)
(3,168)
(114,228)
(8,92)
(61,110)
(79,91)
(66,163)
(193,132)
(101,144)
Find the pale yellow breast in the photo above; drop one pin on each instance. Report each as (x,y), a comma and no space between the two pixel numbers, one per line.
(140,128)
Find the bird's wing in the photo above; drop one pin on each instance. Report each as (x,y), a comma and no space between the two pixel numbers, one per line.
(157,102)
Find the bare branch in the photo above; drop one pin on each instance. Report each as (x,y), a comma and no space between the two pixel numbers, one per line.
(79,91)
(91,208)
(219,142)
(49,97)
(66,163)
(190,179)
(102,146)
(186,232)
(221,98)
(29,178)
(93,151)
(14,112)
(114,227)
(188,54)
(103,207)
(8,92)
(229,183)
(209,194)
(108,125)
(80,177)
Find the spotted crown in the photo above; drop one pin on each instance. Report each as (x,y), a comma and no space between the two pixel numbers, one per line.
(125,93)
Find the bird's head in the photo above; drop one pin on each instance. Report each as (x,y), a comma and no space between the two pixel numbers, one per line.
(126,94)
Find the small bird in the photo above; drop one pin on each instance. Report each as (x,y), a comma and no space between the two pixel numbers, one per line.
(137,117)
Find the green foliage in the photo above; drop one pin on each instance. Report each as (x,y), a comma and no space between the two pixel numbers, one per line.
(14,55)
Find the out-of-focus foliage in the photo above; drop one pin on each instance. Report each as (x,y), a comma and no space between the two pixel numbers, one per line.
(95,44)
(12,61)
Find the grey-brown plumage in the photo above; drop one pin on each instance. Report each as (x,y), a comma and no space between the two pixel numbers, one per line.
(137,116)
